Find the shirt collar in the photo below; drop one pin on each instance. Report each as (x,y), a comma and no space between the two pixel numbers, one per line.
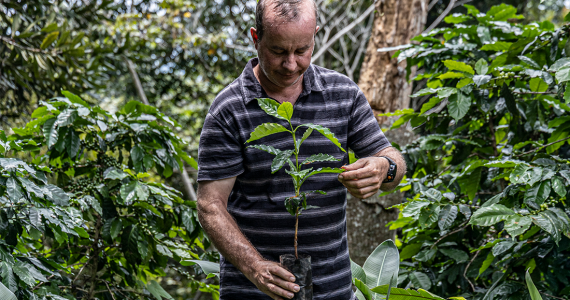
(252,89)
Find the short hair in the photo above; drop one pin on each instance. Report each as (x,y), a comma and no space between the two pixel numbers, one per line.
(283,8)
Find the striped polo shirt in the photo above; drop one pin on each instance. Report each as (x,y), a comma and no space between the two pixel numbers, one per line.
(257,200)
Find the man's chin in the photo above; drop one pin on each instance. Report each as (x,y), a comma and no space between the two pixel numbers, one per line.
(287,81)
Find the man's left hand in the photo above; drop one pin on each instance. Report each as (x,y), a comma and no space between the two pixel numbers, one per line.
(364,177)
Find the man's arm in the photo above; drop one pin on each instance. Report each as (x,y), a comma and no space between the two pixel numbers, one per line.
(364,177)
(268,276)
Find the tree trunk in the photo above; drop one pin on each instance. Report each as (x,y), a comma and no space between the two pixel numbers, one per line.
(384,84)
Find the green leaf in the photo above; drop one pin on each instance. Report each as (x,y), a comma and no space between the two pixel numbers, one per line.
(305,136)
(326,132)
(480,80)
(157,291)
(497,46)
(8,278)
(137,154)
(363,288)
(81,231)
(72,143)
(285,110)
(459,105)
(128,191)
(357,272)
(561,63)
(487,216)
(429,215)
(382,266)
(323,170)
(486,263)
(420,280)
(280,160)
(534,294)
(538,85)
(49,39)
(536,195)
(114,173)
(116,227)
(413,208)
(558,186)
(470,183)
(403,294)
(455,254)
(6,294)
(464,82)
(446,217)
(13,190)
(268,149)
(424,92)
(453,65)
(563,75)
(319,158)
(410,251)
(529,62)
(516,225)
(433,101)
(271,107)
(188,221)
(24,273)
(502,247)
(548,222)
(451,75)
(207,266)
(481,67)
(50,132)
(264,130)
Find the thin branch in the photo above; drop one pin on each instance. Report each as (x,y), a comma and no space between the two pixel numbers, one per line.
(81,270)
(40,284)
(36,50)
(548,295)
(112,295)
(136,80)
(467,268)
(462,226)
(534,93)
(343,32)
(432,4)
(541,147)
(440,18)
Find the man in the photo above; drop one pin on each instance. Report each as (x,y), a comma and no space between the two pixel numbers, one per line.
(240,203)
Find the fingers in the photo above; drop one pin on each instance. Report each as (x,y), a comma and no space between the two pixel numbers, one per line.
(363,193)
(277,292)
(361,183)
(282,272)
(355,166)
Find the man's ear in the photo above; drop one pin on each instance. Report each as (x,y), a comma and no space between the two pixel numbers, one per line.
(253,32)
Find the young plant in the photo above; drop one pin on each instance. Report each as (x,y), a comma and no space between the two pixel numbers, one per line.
(295,204)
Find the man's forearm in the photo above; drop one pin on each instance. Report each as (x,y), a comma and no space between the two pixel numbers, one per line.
(227,237)
(397,157)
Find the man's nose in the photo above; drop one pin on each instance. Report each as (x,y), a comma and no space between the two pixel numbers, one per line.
(290,63)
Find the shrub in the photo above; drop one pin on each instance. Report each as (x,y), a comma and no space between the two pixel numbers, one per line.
(487,179)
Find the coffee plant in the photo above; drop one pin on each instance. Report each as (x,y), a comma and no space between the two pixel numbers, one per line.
(83,212)
(294,204)
(487,179)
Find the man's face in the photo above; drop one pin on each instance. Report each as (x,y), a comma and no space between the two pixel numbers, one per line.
(286,48)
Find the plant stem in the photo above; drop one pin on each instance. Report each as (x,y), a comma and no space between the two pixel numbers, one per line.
(296,227)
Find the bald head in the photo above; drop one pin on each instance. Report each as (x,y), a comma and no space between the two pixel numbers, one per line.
(270,11)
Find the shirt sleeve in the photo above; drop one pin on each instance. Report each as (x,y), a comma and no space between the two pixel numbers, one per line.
(219,152)
(365,137)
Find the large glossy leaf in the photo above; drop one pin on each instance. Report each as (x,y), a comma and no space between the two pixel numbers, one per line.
(382,266)
(446,216)
(6,294)
(516,225)
(280,160)
(49,39)
(319,158)
(413,209)
(324,170)
(14,190)
(536,195)
(481,67)
(363,289)
(8,278)
(420,280)
(305,136)
(534,294)
(558,186)
(453,65)
(487,216)
(270,107)
(326,132)
(285,110)
(548,222)
(157,291)
(459,105)
(264,130)
(268,149)
(207,266)
(357,272)
(406,294)
(50,132)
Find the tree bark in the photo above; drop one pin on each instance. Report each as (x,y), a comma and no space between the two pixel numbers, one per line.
(383,82)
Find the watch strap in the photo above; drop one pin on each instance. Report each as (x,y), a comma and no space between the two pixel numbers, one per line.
(391,174)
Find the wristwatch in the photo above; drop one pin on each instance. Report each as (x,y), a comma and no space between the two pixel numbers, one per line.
(391,175)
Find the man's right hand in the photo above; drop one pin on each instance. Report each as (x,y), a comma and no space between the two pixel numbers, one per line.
(272,279)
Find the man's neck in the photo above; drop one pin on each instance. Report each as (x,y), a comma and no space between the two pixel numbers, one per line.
(281,94)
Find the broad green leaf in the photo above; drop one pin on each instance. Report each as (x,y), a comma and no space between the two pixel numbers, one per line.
(188,221)
(285,110)
(413,208)
(563,75)
(270,107)
(319,158)
(433,194)
(363,288)
(382,266)
(502,247)
(470,183)
(39,112)
(164,250)
(456,254)
(357,271)
(561,63)
(280,160)
(548,222)
(305,136)
(420,280)
(157,291)
(326,132)
(433,101)
(426,255)
(49,39)
(114,173)
(459,105)
(486,263)
(558,186)
(451,75)
(497,46)
(424,92)
(534,294)
(481,67)
(446,217)
(24,273)
(453,65)
(487,216)
(537,194)
(128,191)
(446,92)
(14,190)
(264,130)
(403,294)
(50,132)
(410,251)
(516,225)
(323,170)
(72,143)
(207,266)
(8,278)
(116,227)
(538,85)
(429,215)
(464,82)
(268,149)
(529,61)
(517,174)
(456,18)
(6,294)
(137,154)
(480,80)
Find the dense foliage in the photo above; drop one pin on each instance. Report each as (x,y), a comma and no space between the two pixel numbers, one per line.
(87,216)
(487,181)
